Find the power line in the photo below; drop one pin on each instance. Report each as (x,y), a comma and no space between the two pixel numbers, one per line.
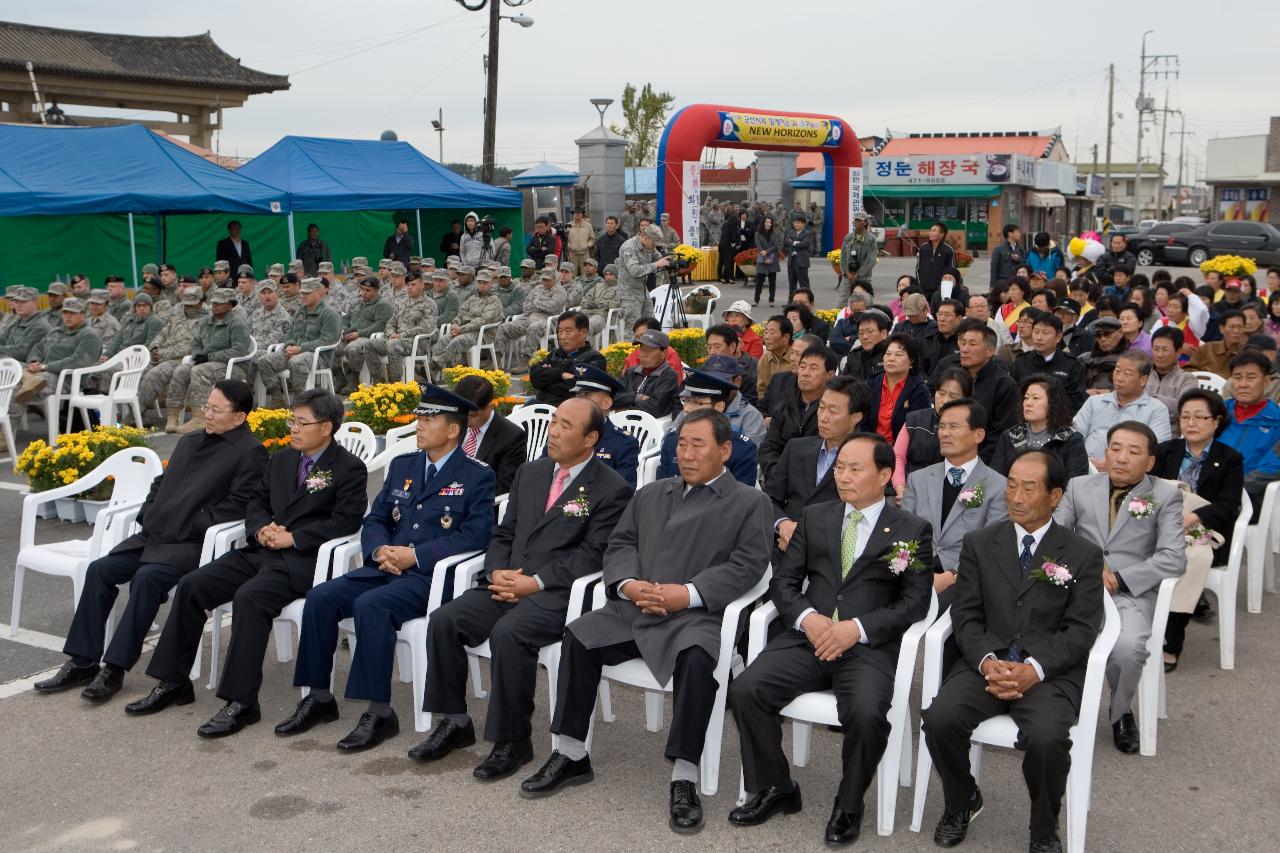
(350,54)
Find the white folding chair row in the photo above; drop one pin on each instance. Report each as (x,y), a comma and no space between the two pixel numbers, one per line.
(1151,698)
(481,346)
(317,376)
(1260,543)
(260,390)
(122,391)
(419,355)
(133,470)
(10,377)
(237,360)
(399,441)
(365,377)
(1003,732)
(644,427)
(1209,381)
(1224,582)
(636,673)
(534,419)
(359,439)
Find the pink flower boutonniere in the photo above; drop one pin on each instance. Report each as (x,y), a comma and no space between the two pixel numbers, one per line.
(1143,505)
(902,556)
(579,507)
(1054,573)
(318,481)
(971,498)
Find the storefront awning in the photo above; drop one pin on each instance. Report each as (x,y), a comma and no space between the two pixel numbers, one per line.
(930,191)
(1039,199)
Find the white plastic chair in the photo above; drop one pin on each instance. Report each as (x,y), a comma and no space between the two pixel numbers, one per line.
(260,390)
(1224,581)
(1002,731)
(359,439)
(1259,543)
(1209,381)
(1151,698)
(480,347)
(644,427)
(133,470)
(648,470)
(400,440)
(241,359)
(321,377)
(10,376)
(708,318)
(420,354)
(53,404)
(123,390)
(611,332)
(819,708)
(365,377)
(636,673)
(534,419)
(549,339)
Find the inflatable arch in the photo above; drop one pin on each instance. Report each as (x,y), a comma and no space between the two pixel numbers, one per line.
(698,126)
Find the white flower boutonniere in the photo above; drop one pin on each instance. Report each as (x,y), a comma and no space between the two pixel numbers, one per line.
(972,497)
(579,507)
(1143,505)
(902,556)
(318,481)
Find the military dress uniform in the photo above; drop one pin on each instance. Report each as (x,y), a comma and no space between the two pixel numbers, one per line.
(365,319)
(416,317)
(540,303)
(477,311)
(171,346)
(743,464)
(311,328)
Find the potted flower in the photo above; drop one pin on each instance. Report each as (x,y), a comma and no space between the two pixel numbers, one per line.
(963,260)
(384,406)
(746,261)
(72,456)
(689,344)
(271,427)
(1230,266)
(615,356)
(499,379)
(834,257)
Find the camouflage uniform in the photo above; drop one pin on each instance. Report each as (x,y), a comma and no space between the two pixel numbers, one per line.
(526,332)
(120,308)
(320,326)
(63,349)
(635,263)
(598,301)
(343,297)
(416,317)
(670,237)
(477,311)
(105,325)
(365,319)
(446,305)
(292,304)
(218,339)
(22,336)
(135,331)
(512,297)
(269,327)
(584,284)
(168,349)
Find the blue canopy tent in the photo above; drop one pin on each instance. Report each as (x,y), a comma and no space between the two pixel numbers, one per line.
(814,180)
(369,175)
(59,172)
(545,175)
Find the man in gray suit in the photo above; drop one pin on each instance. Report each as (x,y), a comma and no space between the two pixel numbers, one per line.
(958,495)
(1137,521)
(668,583)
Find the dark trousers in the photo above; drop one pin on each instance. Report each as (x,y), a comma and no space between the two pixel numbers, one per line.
(1044,717)
(773,285)
(694,693)
(259,585)
(515,633)
(797,276)
(725,267)
(381,604)
(1175,632)
(783,672)
(149,585)
(1255,486)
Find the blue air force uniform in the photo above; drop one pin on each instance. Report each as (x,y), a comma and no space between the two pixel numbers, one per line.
(615,448)
(743,463)
(439,510)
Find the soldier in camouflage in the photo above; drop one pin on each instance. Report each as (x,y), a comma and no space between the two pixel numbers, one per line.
(315,325)
(26,327)
(482,308)
(599,300)
(370,316)
(246,294)
(587,280)
(444,297)
(670,236)
(394,291)
(511,293)
(416,317)
(68,346)
(344,296)
(291,294)
(139,329)
(118,298)
(464,284)
(222,336)
(56,292)
(637,259)
(525,333)
(172,345)
(269,323)
(160,306)
(100,318)
(8,319)
(572,290)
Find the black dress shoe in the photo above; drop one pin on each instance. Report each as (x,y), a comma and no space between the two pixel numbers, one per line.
(842,827)
(163,695)
(370,731)
(1171,666)
(1203,611)
(105,684)
(1049,844)
(1125,733)
(761,806)
(231,718)
(444,739)
(68,675)
(686,808)
(506,758)
(954,826)
(310,712)
(559,772)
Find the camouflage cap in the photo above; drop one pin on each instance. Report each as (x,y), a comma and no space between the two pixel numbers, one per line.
(218,265)
(503,272)
(452,264)
(245,269)
(267,284)
(429,262)
(396,268)
(547,275)
(22,293)
(528,264)
(551,262)
(57,288)
(359,261)
(295,265)
(73,304)
(440,275)
(466,269)
(192,296)
(98,297)
(484,276)
(653,232)
(275,269)
(152,269)
(453,259)
(311,285)
(567,267)
(590,262)
(384,263)
(610,268)
(223,296)
(414,259)
(325,266)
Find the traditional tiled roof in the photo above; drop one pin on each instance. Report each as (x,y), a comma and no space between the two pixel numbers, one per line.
(178,60)
(970,143)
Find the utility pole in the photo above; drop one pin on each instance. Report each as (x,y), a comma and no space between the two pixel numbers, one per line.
(1147,66)
(491,94)
(1111,121)
(1182,149)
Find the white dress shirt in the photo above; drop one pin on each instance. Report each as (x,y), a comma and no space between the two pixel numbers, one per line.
(870,517)
(967,467)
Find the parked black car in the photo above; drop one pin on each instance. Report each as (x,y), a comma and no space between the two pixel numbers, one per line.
(1257,240)
(1148,246)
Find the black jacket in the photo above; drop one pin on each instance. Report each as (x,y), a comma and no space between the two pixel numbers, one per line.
(541,245)
(926,335)
(1064,367)
(931,264)
(922,439)
(547,377)
(1066,444)
(226,251)
(1005,258)
(1102,269)
(608,246)
(556,546)
(790,418)
(1078,340)
(503,450)
(865,363)
(208,481)
(1221,481)
(997,393)
(791,484)
(449,244)
(400,251)
(659,390)
(730,235)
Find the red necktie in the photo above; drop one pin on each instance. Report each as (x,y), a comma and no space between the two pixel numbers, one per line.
(557,488)
(472,443)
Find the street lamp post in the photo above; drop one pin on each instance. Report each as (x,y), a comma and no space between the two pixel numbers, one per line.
(437,124)
(491,75)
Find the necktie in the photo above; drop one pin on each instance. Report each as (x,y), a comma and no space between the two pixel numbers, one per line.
(1024,563)
(304,469)
(956,475)
(557,488)
(431,473)
(848,548)
(472,443)
(1116,495)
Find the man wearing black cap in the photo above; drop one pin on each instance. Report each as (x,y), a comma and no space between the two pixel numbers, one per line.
(615,448)
(554,376)
(706,390)
(1076,339)
(558,520)
(651,386)
(434,503)
(233,248)
(311,491)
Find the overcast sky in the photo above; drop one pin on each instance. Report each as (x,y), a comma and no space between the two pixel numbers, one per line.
(360,68)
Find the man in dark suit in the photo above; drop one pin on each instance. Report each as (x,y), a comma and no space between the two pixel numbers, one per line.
(798,245)
(233,249)
(805,474)
(844,631)
(668,583)
(554,376)
(311,492)
(434,503)
(490,437)
(730,236)
(399,246)
(796,414)
(210,477)
(1028,608)
(559,517)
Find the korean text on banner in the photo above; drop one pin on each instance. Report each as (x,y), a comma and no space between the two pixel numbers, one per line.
(855,191)
(690,210)
(789,131)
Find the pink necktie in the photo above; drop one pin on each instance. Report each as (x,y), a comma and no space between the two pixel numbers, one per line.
(472,443)
(557,488)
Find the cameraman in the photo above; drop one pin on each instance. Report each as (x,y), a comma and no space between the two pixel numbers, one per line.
(472,244)
(637,259)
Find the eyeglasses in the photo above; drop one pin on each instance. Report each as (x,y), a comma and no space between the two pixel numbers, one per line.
(1188,416)
(212,411)
(293,423)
